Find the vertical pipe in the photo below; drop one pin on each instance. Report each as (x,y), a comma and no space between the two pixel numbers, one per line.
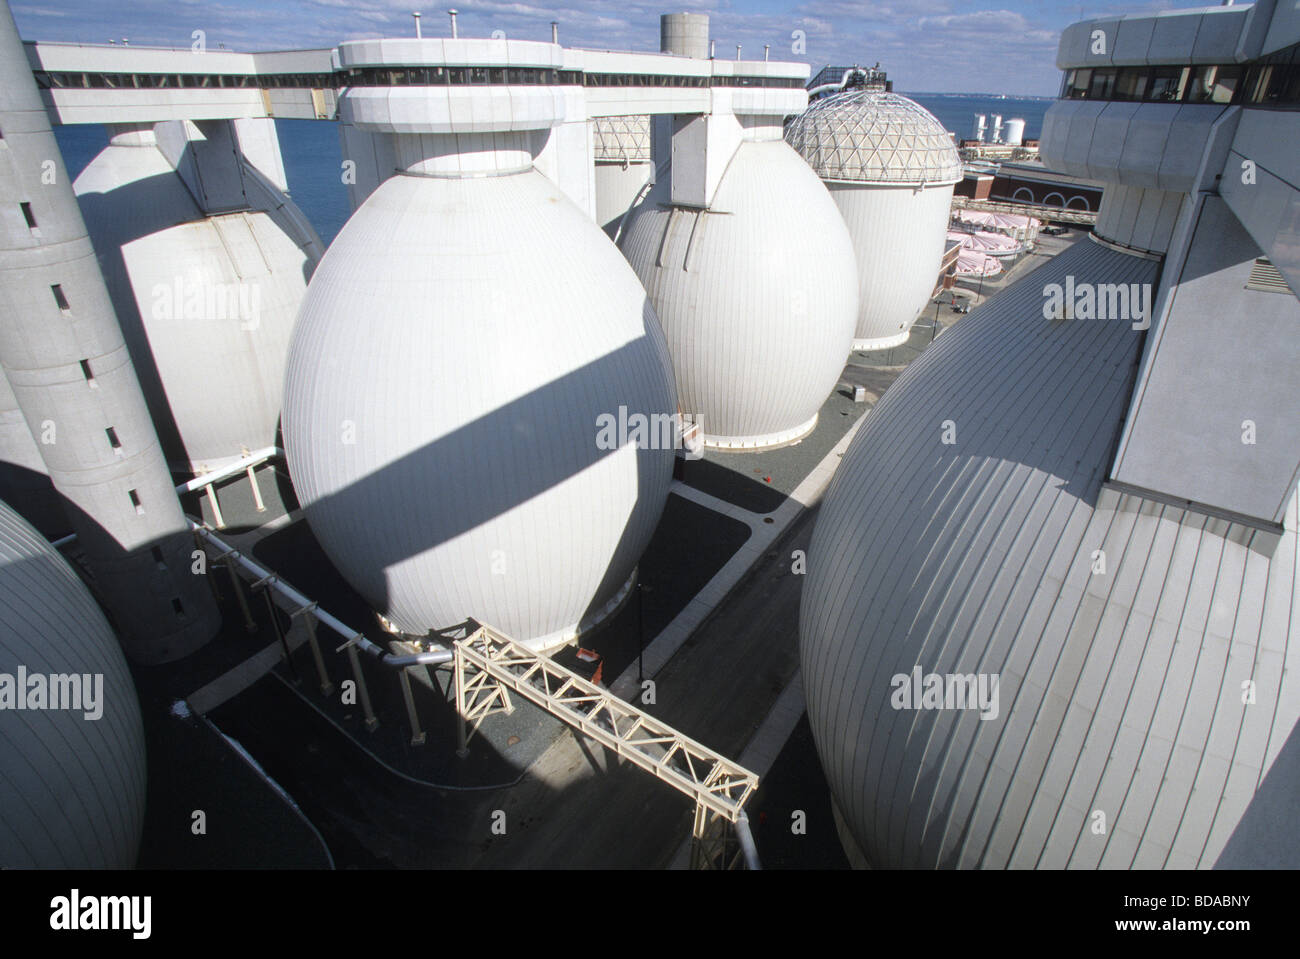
(257,490)
(216,507)
(418,34)
(462,738)
(417,734)
(555,31)
(237,585)
(279,634)
(454,33)
(309,622)
(362,689)
(640,630)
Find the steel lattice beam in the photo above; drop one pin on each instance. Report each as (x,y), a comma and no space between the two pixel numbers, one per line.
(714,782)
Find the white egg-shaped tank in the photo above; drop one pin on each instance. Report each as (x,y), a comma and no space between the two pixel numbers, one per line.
(891,167)
(621,148)
(995,647)
(757,295)
(206,302)
(464,387)
(73,768)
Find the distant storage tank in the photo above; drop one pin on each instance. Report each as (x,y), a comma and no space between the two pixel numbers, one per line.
(890,166)
(623,166)
(467,404)
(978,132)
(74,778)
(206,301)
(1014,132)
(995,645)
(684,34)
(757,295)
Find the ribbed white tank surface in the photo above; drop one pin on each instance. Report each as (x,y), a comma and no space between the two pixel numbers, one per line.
(898,234)
(73,787)
(758,297)
(206,303)
(1121,630)
(454,355)
(617,187)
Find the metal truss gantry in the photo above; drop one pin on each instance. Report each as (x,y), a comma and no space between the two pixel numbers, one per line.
(489,666)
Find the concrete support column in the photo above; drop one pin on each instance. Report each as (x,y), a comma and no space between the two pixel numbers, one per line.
(62,351)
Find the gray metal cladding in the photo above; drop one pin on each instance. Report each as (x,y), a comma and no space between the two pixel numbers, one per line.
(455,353)
(757,295)
(206,303)
(1120,690)
(72,789)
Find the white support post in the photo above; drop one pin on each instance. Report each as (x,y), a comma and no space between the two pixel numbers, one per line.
(363,691)
(417,734)
(309,623)
(216,507)
(257,492)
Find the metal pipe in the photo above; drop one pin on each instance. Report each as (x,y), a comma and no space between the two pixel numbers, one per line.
(747,845)
(418,34)
(738,51)
(844,82)
(766,48)
(255,458)
(452,14)
(228,552)
(555,31)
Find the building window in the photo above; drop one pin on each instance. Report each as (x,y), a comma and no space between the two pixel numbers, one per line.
(178,607)
(60,299)
(1168,84)
(113,441)
(1130,85)
(87,373)
(157,554)
(30,217)
(135,501)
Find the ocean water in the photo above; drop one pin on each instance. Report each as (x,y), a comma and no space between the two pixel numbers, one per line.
(956,111)
(313,164)
(313,158)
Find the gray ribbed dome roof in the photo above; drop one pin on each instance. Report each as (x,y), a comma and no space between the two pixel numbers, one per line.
(874,137)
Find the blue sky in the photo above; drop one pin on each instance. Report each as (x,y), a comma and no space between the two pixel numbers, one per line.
(998,46)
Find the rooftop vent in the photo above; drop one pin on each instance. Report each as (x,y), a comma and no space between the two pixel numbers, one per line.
(1264,276)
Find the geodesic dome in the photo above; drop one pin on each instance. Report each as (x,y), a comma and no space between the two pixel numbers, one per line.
(621,139)
(868,136)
